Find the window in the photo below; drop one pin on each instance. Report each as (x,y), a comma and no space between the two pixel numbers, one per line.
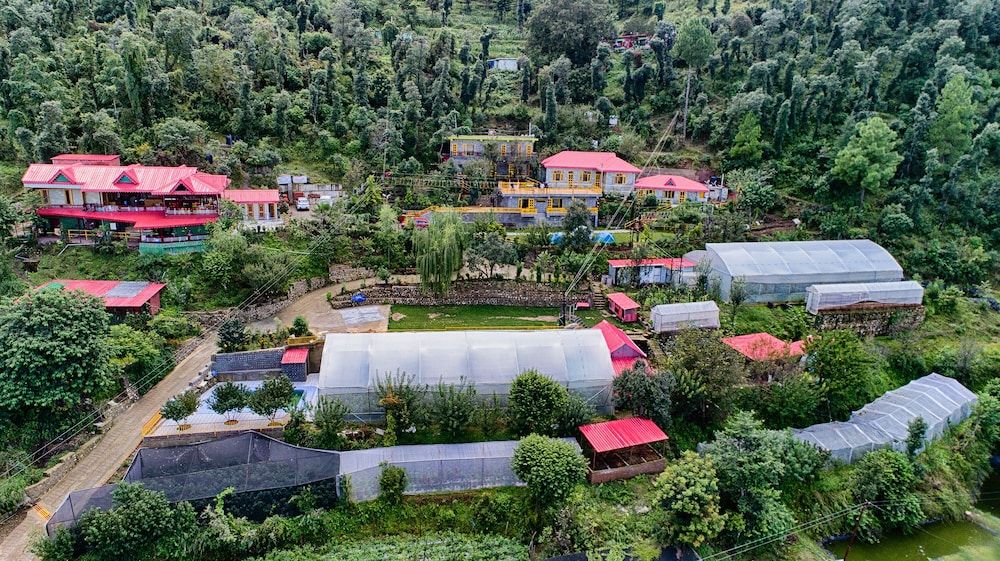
(557,175)
(555,203)
(503,149)
(569,176)
(525,203)
(670,194)
(69,196)
(454,148)
(619,179)
(61,179)
(586,177)
(466,149)
(682,197)
(527,148)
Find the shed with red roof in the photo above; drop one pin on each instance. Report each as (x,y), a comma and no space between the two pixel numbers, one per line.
(624,352)
(660,270)
(257,204)
(625,308)
(120,297)
(621,448)
(764,346)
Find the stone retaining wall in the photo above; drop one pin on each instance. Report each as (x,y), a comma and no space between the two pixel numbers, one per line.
(466,293)
(55,473)
(870,321)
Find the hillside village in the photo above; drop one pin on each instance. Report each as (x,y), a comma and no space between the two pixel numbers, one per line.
(554,280)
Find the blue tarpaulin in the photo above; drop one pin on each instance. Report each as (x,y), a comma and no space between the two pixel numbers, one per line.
(358,298)
(556,238)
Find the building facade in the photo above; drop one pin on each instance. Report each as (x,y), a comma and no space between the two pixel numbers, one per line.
(511,155)
(525,203)
(601,170)
(155,209)
(672,189)
(259,206)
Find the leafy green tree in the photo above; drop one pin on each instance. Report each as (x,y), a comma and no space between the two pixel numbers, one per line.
(687,502)
(694,45)
(452,407)
(274,394)
(177,30)
(135,353)
(54,353)
(535,404)
(228,399)
(51,139)
(578,227)
(300,327)
(489,250)
(439,249)
(706,372)
(328,418)
(568,27)
(551,123)
(392,484)
(645,393)
(233,335)
(845,370)
(954,121)
(916,432)
(886,477)
(180,407)
(401,397)
(747,149)
(551,468)
(870,159)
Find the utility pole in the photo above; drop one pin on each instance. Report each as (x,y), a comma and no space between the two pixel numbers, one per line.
(854,532)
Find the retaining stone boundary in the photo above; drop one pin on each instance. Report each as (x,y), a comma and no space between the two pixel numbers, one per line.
(466,293)
(872,321)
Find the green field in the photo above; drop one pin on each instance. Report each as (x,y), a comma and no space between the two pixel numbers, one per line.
(408,318)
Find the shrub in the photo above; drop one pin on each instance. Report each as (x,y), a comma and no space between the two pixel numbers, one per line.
(397,394)
(274,394)
(536,403)
(392,484)
(687,497)
(180,407)
(228,399)
(328,418)
(452,407)
(232,336)
(300,327)
(645,393)
(550,468)
(172,327)
(578,411)
(886,477)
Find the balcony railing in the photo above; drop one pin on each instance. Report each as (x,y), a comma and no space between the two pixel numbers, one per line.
(191,211)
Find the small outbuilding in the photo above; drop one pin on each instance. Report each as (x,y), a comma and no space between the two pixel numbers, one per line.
(624,308)
(660,270)
(120,297)
(622,448)
(670,318)
(624,352)
(764,346)
(820,297)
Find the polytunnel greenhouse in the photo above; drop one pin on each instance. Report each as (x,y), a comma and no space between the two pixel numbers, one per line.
(884,423)
(488,360)
(782,271)
(830,296)
(687,315)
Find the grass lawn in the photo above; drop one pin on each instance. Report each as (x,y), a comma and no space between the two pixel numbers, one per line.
(405,318)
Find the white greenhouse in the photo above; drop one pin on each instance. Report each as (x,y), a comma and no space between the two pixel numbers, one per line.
(676,317)
(488,360)
(827,296)
(781,271)
(884,423)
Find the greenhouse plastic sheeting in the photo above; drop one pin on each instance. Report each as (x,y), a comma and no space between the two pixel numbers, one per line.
(488,360)
(250,462)
(781,271)
(675,317)
(434,468)
(826,296)
(883,423)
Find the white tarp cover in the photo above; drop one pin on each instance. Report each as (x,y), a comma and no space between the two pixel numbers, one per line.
(687,315)
(826,296)
(883,423)
(781,271)
(489,360)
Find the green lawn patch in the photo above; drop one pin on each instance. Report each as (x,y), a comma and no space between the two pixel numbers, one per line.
(407,318)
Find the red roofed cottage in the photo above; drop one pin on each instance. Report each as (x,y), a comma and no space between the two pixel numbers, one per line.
(583,169)
(764,346)
(673,189)
(624,307)
(624,352)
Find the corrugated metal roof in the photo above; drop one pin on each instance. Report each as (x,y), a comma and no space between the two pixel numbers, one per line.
(251,195)
(668,262)
(622,300)
(116,294)
(621,433)
(142,220)
(616,339)
(295,355)
(600,161)
(764,346)
(143,179)
(671,183)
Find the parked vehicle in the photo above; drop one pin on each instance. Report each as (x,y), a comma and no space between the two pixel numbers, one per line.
(302,203)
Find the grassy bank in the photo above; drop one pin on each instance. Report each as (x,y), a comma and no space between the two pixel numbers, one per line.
(408,318)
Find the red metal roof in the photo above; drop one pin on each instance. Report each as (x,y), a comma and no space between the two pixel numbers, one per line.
(142,219)
(143,179)
(617,339)
(92,159)
(621,433)
(295,355)
(668,262)
(116,294)
(246,196)
(622,364)
(600,161)
(670,183)
(764,346)
(622,300)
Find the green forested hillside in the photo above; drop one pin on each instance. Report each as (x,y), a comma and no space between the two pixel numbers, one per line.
(875,118)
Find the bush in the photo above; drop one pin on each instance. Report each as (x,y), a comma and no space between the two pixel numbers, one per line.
(392,484)
(398,395)
(300,327)
(497,513)
(550,468)
(274,394)
(578,411)
(645,393)
(886,477)
(328,418)
(233,336)
(536,403)
(172,327)
(452,407)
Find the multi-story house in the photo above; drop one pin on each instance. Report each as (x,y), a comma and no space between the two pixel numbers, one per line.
(603,170)
(156,209)
(672,189)
(525,203)
(511,155)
